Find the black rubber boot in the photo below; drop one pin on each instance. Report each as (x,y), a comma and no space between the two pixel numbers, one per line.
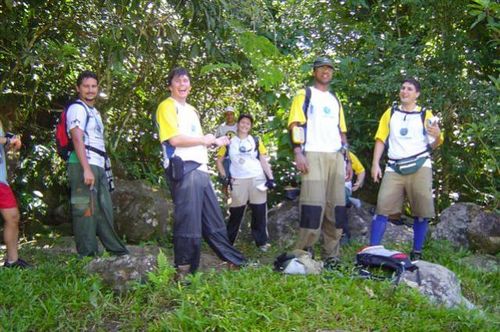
(233,225)
(259,223)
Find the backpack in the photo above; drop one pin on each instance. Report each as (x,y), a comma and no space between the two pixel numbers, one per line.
(63,141)
(380,257)
(227,161)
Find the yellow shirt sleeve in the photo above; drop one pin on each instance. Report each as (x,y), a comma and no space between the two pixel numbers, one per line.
(428,115)
(343,127)
(262,148)
(383,126)
(357,166)
(296,111)
(221,152)
(166,117)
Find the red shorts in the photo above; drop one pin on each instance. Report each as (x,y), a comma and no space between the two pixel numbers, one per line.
(7,198)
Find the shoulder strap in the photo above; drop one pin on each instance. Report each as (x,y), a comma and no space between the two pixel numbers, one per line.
(307,102)
(423,112)
(394,108)
(340,106)
(86,111)
(256,140)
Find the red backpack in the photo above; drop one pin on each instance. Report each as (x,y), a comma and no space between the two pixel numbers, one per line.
(63,141)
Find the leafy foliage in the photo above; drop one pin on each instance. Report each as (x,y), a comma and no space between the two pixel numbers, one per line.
(253,55)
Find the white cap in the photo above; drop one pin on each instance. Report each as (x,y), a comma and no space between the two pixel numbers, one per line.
(229,109)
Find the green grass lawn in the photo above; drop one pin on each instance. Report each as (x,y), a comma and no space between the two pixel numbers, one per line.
(58,295)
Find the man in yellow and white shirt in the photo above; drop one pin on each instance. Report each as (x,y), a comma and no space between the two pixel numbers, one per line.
(408,139)
(320,160)
(196,210)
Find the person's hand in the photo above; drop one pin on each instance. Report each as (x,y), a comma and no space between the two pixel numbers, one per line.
(357,185)
(222,141)
(88,178)
(208,140)
(270,184)
(15,143)
(376,173)
(301,162)
(348,171)
(433,130)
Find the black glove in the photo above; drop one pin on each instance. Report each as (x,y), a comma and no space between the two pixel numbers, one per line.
(224,180)
(270,184)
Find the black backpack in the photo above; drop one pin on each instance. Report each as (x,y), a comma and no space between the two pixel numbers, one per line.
(380,257)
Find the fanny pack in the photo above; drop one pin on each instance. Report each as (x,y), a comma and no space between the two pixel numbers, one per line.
(408,165)
(178,168)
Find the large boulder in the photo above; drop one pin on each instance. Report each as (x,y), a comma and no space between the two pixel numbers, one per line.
(121,272)
(467,225)
(283,223)
(438,283)
(141,212)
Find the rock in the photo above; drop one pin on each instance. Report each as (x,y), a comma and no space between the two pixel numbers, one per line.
(141,212)
(283,223)
(121,272)
(438,283)
(483,233)
(484,263)
(61,214)
(467,225)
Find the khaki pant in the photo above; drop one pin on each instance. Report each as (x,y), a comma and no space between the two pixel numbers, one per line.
(321,190)
(245,191)
(417,187)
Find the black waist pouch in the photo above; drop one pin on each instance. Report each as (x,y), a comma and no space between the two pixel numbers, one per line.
(177,168)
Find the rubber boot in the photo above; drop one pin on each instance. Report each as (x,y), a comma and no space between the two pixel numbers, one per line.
(233,225)
(259,224)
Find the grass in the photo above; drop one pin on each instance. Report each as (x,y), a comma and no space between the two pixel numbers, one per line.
(58,295)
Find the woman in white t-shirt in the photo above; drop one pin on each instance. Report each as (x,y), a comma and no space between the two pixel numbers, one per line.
(244,168)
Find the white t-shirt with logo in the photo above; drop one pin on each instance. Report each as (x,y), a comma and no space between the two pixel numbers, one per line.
(323,133)
(76,116)
(243,155)
(406,137)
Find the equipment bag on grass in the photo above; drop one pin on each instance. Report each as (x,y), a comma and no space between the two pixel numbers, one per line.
(380,257)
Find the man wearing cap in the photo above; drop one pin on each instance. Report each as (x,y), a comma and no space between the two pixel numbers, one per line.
(229,127)
(318,131)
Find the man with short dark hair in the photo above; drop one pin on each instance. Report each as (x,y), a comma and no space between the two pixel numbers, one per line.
(319,155)
(91,204)
(8,203)
(196,210)
(410,132)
